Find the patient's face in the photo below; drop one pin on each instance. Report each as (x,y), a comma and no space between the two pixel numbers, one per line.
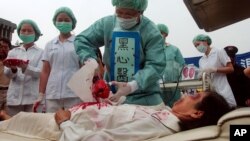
(186,105)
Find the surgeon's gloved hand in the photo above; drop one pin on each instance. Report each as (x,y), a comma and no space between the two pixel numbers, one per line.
(38,101)
(124,89)
(209,70)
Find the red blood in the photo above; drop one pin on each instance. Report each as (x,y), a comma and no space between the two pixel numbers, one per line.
(35,107)
(14,62)
(100,89)
(84,105)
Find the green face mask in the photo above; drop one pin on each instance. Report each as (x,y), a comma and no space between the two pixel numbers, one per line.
(27,38)
(64,27)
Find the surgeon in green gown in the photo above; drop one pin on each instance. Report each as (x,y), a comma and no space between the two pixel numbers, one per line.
(133,55)
(172,73)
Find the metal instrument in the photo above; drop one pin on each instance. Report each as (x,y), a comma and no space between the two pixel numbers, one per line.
(204,83)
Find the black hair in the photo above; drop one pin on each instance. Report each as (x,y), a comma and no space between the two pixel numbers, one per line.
(6,41)
(214,107)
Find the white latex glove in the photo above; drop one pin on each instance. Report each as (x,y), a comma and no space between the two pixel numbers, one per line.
(38,101)
(124,89)
(119,102)
(209,70)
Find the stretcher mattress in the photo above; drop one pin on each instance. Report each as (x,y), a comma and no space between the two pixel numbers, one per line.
(219,132)
(11,137)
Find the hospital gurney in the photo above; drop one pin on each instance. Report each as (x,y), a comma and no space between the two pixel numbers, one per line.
(219,132)
(204,83)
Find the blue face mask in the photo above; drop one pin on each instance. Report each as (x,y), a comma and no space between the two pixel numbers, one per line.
(64,27)
(202,48)
(27,38)
(127,23)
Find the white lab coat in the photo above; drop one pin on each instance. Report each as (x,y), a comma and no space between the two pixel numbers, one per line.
(216,59)
(23,87)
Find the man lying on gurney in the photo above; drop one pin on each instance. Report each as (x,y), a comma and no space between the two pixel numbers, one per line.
(102,121)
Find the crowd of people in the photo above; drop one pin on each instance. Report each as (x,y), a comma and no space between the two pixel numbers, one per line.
(136,56)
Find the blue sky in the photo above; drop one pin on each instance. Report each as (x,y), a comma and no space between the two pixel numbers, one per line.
(171,12)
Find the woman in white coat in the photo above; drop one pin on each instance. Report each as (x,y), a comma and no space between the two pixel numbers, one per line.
(24,77)
(217,63)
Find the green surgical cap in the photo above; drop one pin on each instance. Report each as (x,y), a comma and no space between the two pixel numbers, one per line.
(202,37)
(139,5)
(33,24)
(163,28)
(69,12)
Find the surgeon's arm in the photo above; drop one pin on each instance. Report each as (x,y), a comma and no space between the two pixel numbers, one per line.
(86,42)
(154,60)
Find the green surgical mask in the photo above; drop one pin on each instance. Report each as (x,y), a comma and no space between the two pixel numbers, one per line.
(27,38)
(202,48)
(127,23)
(64,27)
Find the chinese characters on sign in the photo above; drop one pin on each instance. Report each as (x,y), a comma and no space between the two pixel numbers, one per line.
(124,55)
